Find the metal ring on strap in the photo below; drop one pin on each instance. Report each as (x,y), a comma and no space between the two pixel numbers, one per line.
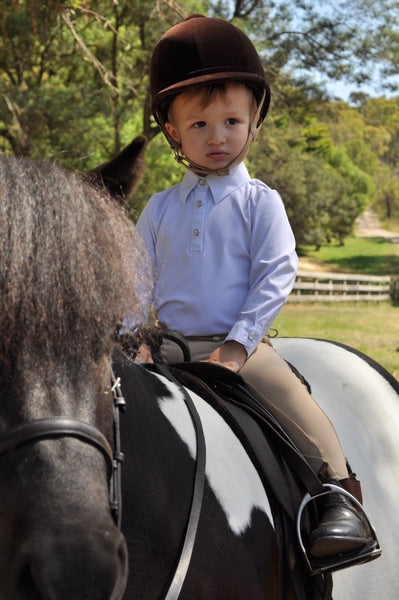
(330,564)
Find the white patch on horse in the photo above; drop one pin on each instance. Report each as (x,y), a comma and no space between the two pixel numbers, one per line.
(364,409)
(230,473)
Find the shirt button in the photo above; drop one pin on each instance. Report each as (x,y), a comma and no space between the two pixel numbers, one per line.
(202,182)
(251,336)
(198,204)
(196,232)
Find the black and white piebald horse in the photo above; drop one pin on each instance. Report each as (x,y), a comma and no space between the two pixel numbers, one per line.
(70,269)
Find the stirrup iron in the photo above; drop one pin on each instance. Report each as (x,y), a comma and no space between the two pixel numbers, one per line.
(328,564)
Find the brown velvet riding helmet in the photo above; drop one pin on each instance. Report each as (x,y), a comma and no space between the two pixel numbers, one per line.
(202,50)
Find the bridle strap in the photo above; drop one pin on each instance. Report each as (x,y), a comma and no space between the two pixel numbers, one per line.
(55,427)
(58,427)
(115,492)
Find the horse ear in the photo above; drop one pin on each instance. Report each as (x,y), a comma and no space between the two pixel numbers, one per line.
(122,173)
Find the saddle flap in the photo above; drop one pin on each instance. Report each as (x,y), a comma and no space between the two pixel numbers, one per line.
(272,454)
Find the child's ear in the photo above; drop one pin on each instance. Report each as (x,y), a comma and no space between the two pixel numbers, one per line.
(172,132)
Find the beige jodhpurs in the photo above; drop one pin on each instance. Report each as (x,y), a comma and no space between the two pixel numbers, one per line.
(286,398)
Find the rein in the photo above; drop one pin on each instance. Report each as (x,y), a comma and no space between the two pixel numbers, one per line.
(183,564)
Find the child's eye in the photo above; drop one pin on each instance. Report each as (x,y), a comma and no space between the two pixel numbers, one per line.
(232,121)
(199,124)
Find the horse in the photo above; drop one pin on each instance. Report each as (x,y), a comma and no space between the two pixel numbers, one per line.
(71,269)
(362,400)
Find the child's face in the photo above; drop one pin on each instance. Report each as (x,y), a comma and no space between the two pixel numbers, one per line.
(212,134)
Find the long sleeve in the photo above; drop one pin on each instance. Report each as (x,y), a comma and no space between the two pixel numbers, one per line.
(273,265)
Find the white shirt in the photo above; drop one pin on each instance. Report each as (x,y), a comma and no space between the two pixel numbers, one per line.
(224,255)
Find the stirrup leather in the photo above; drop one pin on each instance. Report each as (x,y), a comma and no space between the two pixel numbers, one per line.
(341,561)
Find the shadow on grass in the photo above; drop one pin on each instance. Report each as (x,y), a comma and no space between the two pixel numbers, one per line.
(369,265)
(361,258)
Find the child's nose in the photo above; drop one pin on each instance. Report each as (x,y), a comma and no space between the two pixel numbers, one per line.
(216,135)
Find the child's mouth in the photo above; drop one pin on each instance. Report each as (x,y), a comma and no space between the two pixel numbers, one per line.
(217,155)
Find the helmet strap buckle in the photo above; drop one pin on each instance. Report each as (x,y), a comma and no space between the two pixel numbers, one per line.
(182,159)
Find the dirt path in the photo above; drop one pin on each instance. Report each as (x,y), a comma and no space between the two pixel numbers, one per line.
(366,225)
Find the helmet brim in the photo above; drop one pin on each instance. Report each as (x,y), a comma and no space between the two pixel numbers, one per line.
(212,77)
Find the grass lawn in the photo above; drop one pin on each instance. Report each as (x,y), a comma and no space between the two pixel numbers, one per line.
(371,256)
(373,327)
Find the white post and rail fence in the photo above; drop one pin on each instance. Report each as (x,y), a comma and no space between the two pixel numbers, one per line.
(312,286)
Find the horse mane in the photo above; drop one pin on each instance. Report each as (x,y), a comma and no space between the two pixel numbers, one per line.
(71,265)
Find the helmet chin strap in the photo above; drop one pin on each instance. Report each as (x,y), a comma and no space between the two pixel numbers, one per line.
(182,159)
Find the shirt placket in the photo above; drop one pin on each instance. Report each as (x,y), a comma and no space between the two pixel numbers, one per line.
(199,201)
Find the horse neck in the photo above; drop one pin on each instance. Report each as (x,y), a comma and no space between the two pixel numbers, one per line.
(154,450)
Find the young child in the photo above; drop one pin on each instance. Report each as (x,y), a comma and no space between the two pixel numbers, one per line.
(222,246)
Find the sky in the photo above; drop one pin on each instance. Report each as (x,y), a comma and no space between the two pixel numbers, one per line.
(343,89)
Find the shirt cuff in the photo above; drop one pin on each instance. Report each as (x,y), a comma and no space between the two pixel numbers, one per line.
(248,337)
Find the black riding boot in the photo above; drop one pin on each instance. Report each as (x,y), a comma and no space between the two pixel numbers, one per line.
(341,528)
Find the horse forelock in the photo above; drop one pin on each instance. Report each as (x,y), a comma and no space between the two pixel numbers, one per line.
(71,266)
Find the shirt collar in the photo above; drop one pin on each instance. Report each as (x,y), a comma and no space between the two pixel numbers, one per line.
(220,187)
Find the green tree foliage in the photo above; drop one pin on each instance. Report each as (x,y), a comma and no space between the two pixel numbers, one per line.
(382,118)
(74,77)
(74,88)
(323,190)
(370,136)
(28,57)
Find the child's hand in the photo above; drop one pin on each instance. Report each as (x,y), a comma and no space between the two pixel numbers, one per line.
(231,355)
(143,355)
